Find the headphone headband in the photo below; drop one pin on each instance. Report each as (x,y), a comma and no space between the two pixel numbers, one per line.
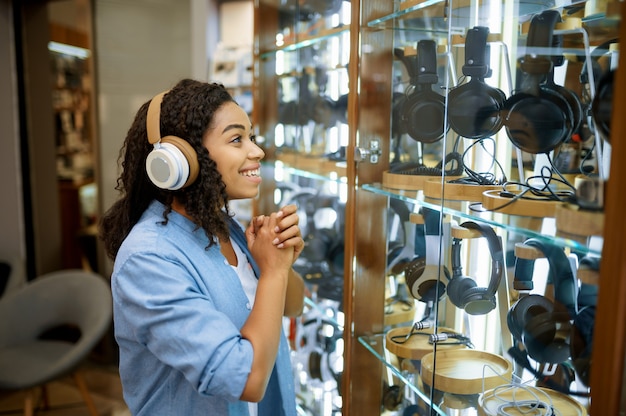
(476,52)
(495,249)
(153,123)
(426,72)
(560,274)
(540,35)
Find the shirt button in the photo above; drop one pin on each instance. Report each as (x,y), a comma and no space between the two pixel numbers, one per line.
(248,306)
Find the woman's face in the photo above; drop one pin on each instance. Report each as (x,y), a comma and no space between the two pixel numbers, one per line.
(232,145)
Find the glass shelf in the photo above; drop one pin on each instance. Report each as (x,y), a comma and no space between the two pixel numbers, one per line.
(531,227)
(437,10)
(307,40)
(316,168)
(375,344)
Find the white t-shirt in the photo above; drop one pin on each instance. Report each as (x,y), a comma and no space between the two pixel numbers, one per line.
(249,283)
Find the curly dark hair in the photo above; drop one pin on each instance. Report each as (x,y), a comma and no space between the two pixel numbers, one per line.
(187,112)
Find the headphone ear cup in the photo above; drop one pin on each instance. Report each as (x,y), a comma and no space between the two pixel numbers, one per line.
(172,165)
(425,290)
(536,124)
(456,289)
(581,340)
(522,310)
(575,105)
(541,338)
(318,244)
(602,105)
(478,301)
(424,116)
(475,109)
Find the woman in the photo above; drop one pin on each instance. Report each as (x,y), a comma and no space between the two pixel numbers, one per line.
(198,301)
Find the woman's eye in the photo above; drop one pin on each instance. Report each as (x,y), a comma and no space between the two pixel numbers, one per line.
(236,139)
(253,139)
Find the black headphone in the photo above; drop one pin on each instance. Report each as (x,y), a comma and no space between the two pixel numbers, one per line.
(321,261)
(601,105)
(581,338)
(427,287)
(539,117)
(322,348)
(423,114)
(401,251)
(173,163)
(451,165)
(463,291)
(475,108)
(521,358)
(534,320)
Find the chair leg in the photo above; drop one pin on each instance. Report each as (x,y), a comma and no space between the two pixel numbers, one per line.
(45,398)
(29,402)
(82,387)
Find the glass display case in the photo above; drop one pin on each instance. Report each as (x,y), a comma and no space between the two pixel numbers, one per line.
(450,161)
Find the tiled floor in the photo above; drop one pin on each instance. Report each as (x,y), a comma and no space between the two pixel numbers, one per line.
(104,386)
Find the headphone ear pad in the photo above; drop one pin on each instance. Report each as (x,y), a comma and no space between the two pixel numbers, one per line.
(456,289)
(581,340)
(478,301)
(425,290)
(173,165)
(522,310)
(535,124)
(424,116)
(475,109)
(541,341)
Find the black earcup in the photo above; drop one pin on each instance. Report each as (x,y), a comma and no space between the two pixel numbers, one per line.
(537,123)
(475,109)
(546,337)
(318,243)
(581,337)
(457,287)
(524,308)
(463,291)
(539,117)
(542,328)
(602,105)
(424,113)
(575,105)
(392,396)
(424,116)
(581,342)
(478,301)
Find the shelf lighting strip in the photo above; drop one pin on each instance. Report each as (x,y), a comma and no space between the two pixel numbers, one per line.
(65,49)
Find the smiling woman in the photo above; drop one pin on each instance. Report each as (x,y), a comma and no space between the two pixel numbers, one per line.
(198,300)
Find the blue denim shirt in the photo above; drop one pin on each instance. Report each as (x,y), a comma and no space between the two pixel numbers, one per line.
(178,310)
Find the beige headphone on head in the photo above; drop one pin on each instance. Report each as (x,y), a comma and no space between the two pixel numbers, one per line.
(173,163)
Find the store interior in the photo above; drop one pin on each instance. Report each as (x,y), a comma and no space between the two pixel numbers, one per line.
(338,109)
